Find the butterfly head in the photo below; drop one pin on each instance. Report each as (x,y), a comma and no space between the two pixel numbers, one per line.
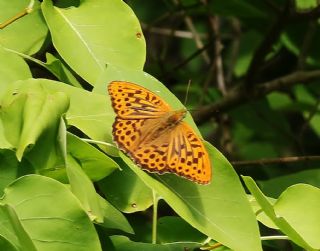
(176,117)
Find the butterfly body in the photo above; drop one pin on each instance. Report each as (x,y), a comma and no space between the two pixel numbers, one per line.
(154,136)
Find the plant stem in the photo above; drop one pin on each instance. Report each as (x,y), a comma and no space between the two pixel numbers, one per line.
(98,142)
(19,15)
(274,237)
(155,216)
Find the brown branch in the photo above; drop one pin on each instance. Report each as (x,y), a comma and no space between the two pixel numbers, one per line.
(192,28)
(169,32)
(282,160)
(240,95)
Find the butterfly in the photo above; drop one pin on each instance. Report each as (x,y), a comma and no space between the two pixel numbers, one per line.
(155,136)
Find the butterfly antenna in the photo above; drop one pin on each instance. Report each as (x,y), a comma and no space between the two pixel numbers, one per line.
(187,92)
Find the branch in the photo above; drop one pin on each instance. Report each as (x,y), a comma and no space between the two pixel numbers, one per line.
(192,28)
(241,95)
(275,160)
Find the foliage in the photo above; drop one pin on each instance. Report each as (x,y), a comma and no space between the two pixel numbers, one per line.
(254,95)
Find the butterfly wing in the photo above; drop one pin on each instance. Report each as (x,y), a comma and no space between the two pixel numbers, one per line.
(131,101)
(178,151)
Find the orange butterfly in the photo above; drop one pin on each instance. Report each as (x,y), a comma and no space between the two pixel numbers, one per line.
(154,136)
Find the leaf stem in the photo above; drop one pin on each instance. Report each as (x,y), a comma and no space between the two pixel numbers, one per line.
(155,216)
(274,237)
(19,15)
(98,142)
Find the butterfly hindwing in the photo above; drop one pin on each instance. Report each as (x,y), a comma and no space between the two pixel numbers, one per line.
(178,151)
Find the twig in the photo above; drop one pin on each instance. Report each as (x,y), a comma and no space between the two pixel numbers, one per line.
(240,95)
(169,32)
(19,15)
(282,160)
(196,36)
(235,45)
(192,56)
(211,247)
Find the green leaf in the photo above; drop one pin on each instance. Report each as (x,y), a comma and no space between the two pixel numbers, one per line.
(126,191)
(89,112)
(11,168)
(279,100)
(124,244)
(26,34)
(27,112)
(261,216)
(113,218)
(299,206)
(306,4)
(101,38)
(83,189)
(94,163)
(12,68)
(293,40)
(274,187)
(51,215)
(174,229)
(12,230)
(60,70)
(281,219)
(219,210)
(248,43)
(6,245)
(197,204)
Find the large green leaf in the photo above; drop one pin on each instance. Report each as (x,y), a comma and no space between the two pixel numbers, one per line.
(275,186)
(219,210)
(112,218)
(289,212)
(11,168)
(60,70)
(83,188)
(198,204)
(299,206)
(12,68)
(26,34)
(126,191)
(51,215)
(13,232)
(28,112)
(89,112)
(104,32)
(174,229)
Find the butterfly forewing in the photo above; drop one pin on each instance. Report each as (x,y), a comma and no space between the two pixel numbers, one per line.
(131,101)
